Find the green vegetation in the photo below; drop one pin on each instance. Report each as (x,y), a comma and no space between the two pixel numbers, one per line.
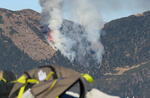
(1,20)
(12,31)
(19,23)
(37,32)
(126,43)
(1,30)
(14,59)
(36,22)
(9,14)
(134,82)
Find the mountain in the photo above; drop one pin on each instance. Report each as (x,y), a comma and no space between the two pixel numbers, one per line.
(23,45)
(127,41)
(127,56)
(125,70)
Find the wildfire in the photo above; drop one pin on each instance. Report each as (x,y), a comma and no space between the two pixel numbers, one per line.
(50,37)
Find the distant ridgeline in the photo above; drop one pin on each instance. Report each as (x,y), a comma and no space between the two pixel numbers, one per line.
(126,44)
(126,41)
(23,45)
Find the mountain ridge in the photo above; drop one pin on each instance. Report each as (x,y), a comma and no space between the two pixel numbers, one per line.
(126,42)
(25,26)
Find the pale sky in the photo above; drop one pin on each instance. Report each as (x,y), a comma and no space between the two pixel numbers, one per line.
(109,9)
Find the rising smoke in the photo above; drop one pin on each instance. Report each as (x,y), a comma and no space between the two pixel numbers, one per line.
(78,40)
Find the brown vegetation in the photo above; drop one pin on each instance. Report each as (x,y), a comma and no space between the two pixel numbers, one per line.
(23,36)
(121,70)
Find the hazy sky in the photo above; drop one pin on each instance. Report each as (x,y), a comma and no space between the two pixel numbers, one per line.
(109,9)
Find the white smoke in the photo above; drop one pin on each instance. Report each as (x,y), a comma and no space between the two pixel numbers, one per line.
(76,42)
(52,16)
(91,19)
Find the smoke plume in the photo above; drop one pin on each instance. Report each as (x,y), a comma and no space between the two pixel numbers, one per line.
(78,40)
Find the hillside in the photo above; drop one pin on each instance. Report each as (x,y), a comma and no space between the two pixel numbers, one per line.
(23,29)
(127,41)
(125,67)
(22,44)
(127,56)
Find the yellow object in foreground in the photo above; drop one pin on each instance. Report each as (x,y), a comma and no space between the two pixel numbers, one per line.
(23,80)
(1,76)
(87,77)
(49,75)
(3,79)
(53,84)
